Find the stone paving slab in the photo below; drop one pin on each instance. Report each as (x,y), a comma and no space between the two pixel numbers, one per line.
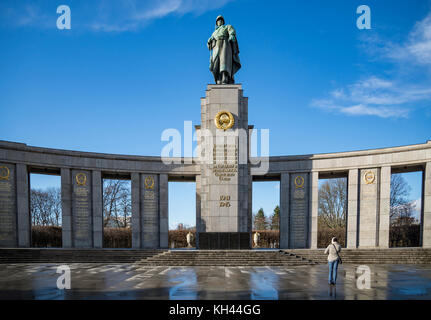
(134,281)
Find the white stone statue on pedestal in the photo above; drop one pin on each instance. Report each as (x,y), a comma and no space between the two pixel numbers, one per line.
(256,239)
(189,239)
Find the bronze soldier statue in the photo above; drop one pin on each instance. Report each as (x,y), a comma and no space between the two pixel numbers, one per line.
(224,58)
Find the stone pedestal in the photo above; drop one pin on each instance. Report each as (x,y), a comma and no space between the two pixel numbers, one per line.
(225,172)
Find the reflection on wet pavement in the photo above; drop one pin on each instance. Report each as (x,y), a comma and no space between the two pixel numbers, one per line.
(263,284)
(184,284)
(133,281)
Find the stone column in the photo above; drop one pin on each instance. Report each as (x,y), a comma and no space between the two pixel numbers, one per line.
(8,209)
(82,218)
(426,225)
(369,207)
(136,210)
(198,209)
(23,206)
(385,199)
(97,191)
(164,211)
(150,211)
(299,210)
(314,204)
(352,209)
(284,210)
(66,208)
(250,207)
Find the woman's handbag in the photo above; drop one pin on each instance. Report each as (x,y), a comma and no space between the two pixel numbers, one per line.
(336,251)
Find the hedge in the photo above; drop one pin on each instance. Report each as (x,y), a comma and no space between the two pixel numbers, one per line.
(178,238)
(46,236)
(268,238)
(325,235)
(405,236)
(50,236)
(117,237)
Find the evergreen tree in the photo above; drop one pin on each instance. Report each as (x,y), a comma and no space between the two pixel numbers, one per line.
(260,222)
(275,219)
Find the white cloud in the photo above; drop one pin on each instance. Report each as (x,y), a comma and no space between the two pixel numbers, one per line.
(133,14)
(27,14)
(417,204)
(389,98)
(374,97)
(159,11)
(417,48)
(361,110)
(102,15)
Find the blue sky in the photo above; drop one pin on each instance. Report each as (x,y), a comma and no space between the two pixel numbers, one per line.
(127,70)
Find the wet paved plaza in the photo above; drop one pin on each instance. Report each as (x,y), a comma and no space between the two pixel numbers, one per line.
(131,281)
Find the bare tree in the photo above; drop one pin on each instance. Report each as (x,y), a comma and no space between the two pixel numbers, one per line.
(54,194)
(117,203)
(400,205)
(333,205)
(45,207)
(333,202)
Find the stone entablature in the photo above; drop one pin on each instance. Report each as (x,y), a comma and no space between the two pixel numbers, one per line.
(411,155)
(150,219)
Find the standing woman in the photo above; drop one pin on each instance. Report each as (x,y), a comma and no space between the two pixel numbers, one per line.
(333,260)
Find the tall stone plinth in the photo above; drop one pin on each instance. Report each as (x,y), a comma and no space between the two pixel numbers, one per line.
(223,222)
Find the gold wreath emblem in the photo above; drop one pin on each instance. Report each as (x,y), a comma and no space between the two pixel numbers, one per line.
(224,120)
(149,182)
(299,182)
(369,177)
(81,179)
(4,173)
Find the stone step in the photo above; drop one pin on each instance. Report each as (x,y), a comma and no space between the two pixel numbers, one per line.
(214,257)
(38,255)
(377,256)
(224,258)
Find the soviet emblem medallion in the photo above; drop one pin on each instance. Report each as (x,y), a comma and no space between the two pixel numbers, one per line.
(224,120)
(81,179)
(149,182)
(299,182)
(4,173)
(369,177)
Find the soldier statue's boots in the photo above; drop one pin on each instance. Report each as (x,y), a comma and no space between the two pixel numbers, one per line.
(225,77)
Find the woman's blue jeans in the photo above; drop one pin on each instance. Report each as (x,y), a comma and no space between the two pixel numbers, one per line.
(333,266)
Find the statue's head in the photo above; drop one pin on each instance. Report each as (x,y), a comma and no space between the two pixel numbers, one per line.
(220,20)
